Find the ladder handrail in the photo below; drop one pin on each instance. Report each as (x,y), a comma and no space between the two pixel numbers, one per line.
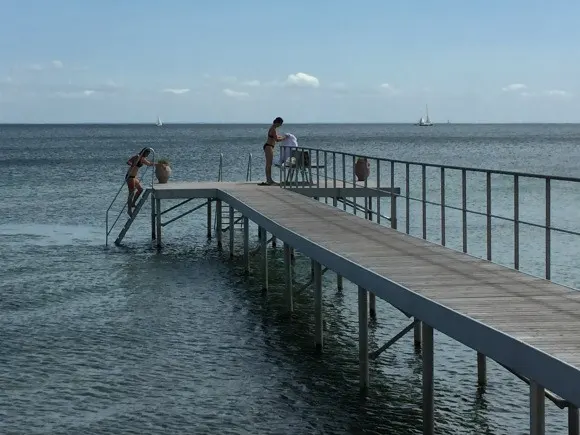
(107,230)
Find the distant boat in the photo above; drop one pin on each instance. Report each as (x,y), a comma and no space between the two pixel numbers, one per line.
(425,121)
(159,123)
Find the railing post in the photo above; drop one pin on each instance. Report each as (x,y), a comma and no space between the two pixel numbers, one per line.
(516,222)
(443,241)
(424,199)
(407,200)
(464,208)
(379,191)
(548,247)
(394,198)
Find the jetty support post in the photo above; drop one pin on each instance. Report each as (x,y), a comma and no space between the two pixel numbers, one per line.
(339,285)
(264,256)
(153,217)
(537,409)
(246,245)
(209,200)
(417,334)
(318,329)
(428,387)
(158,222)
(288,296)
(363,339)
(231,228)
(481,370)
(218,216)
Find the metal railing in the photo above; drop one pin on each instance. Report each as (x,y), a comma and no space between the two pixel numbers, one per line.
(440,190)
(108,229)
(509,205)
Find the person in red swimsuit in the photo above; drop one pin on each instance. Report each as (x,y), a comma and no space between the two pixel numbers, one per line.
(269,148)
(133,183)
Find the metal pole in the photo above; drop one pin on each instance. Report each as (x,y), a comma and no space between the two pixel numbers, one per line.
(464,207)
(363,339)
(548,230)
(394,198)
(246,245)
(158,221)
(209,218)
(443,241)
(264,256)
(379,191)
(424,198)
(516,222)
(318,333)
(153,217)
(325,175)
(407,200)
(288,277)
(573,422)
(218,216)
(537,409)
(428,388)
(488,213)
(231,224)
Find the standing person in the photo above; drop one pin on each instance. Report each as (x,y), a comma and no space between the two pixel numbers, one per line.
(269,148)
(133,183)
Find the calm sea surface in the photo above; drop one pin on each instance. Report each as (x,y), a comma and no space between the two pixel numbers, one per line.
(131,340)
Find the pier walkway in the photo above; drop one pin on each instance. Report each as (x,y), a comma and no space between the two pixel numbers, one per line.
(528,324)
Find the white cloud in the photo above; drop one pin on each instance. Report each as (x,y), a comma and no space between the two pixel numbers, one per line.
(514,87)
(57,64)
(75,94)
(252,83)
(557,93)
(302,79)
(176,91)
(235,94)
(387,88)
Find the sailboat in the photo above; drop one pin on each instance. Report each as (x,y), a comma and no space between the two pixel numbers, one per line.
(425,121)
(159,123)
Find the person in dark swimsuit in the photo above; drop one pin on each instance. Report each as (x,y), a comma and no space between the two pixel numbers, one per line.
(269,148)
(133,183)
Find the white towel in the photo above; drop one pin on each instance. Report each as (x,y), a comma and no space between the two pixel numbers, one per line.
(286,146)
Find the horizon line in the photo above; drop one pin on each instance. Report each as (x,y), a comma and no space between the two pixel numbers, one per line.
(287,123)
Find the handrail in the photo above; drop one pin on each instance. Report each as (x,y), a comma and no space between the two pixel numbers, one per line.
(440,166)
(342,173)
(109,230)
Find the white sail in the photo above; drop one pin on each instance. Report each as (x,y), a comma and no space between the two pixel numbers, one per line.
(159,123)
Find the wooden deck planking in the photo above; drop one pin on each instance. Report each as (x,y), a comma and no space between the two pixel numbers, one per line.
(536,312)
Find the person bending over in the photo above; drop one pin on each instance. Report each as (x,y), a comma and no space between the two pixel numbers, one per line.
(269,148)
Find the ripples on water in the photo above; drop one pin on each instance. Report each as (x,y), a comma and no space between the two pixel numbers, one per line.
(128,340)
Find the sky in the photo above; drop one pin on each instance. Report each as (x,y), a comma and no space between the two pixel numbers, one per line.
(308,61)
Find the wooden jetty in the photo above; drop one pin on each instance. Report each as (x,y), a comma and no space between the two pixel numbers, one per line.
(525,323)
